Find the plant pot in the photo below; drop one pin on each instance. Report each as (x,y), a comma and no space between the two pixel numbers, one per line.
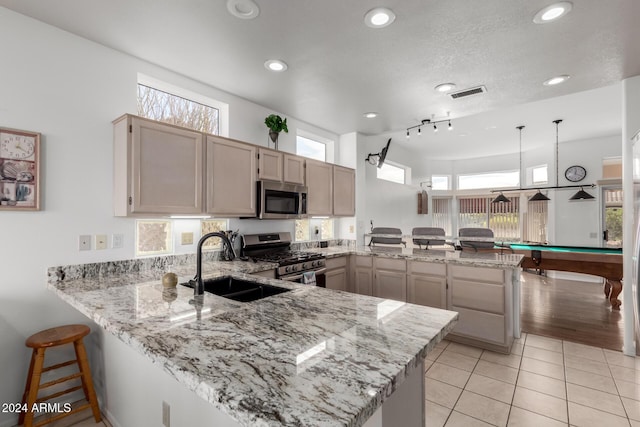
(274,136)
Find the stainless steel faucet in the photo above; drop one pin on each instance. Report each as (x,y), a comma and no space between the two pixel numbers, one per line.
(198,285)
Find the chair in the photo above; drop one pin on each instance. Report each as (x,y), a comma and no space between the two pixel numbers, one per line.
(480,238)
(40,342)
(386,240)
(431,234)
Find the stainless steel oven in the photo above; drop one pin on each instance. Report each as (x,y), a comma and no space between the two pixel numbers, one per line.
(278,200)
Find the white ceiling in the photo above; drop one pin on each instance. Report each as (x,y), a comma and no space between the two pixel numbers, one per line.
(339,68)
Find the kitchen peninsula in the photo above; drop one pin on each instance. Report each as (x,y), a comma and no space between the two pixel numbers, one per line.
(309,356)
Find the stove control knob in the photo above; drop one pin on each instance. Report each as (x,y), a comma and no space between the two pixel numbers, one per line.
(294,268)
(304,266)
(314,264)
(286,269)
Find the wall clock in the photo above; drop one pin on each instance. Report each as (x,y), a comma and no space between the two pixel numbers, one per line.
(575,173)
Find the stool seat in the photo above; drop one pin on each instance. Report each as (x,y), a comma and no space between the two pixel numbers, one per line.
(40,342)
(57,336)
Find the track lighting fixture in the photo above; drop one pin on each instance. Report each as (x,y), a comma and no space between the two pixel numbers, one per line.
(426,122)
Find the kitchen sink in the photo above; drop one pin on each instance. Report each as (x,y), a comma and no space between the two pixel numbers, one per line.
(238,289)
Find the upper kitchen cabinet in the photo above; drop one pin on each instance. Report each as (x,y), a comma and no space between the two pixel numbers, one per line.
(319,179)
(293,169)
(231,177)
(278,166)
(344,191)
(158,168)
(269,164)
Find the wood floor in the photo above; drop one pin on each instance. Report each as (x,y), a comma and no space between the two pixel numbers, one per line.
(570,310)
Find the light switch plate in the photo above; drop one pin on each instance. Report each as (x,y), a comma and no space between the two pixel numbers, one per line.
(117,241)
(101,241)
(84,242)
(186,238)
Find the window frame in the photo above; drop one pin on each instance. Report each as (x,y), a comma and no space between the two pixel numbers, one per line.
(405,169)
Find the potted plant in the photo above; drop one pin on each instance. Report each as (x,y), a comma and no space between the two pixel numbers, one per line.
(276,124)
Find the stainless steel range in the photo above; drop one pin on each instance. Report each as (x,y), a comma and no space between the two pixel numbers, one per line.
(276,247)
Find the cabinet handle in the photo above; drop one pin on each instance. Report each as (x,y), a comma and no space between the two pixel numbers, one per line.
(130,200)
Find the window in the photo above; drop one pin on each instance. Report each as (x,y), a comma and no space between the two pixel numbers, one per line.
(209,226)
(537,175)
(311,148)
(168,108)
(313,229)
(489,180)
(153,237)
(442,214)
(502,218)
(440,182)
(392,172)
(535,222)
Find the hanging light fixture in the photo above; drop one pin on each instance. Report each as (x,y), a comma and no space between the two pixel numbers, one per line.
(450,127)
(539,197)
(582,195)
(419,131)
(501,199)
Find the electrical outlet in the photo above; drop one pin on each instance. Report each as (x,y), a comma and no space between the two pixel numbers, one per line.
(101,241)
(166,414)
(84,242)
(351,230)
(117,241)
(187,238)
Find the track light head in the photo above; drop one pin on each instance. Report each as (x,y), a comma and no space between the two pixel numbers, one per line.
(450,127)
(408,134)
(419,131)
(435,128)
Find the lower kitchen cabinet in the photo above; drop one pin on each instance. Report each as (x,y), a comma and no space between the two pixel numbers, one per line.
(482,297)
(337,274)
(390,278)
(363,275)
(427,284)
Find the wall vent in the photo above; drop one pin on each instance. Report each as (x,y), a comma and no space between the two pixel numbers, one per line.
(468,92)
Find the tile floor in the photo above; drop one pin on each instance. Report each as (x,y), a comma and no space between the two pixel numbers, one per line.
(543,382)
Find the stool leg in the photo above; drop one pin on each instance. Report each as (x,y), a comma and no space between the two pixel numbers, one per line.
(32,395)
(26,387)
(87,382)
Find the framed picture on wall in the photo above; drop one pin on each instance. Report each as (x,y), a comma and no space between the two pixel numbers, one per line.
(19,170)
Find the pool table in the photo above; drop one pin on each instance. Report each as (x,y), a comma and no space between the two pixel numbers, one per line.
(603,262)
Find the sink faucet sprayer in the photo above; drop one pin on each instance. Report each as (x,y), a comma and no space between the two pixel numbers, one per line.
(198,285)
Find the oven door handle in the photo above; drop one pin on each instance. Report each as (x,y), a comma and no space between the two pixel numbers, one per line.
(299,276)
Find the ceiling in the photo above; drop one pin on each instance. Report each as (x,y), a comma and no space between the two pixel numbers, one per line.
(339,68)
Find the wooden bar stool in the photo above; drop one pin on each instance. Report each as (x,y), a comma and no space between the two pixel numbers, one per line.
(52,338)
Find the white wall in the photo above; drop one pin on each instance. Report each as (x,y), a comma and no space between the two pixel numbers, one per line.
(70,89)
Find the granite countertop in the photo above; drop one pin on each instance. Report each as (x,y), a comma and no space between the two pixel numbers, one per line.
(475,259)
(310,356)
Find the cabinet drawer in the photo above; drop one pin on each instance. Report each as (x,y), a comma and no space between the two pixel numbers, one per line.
(480,325)
(431,268)
(478,296)
(494,275)
(339,262)
(266,273)
(364,261)
(390,264)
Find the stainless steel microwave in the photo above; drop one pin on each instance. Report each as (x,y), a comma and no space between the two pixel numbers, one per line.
(278,200)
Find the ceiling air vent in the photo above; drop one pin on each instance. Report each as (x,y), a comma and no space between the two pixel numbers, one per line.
(468,92)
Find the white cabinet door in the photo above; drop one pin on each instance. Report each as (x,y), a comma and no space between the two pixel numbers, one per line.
(293,169)
(231,177)
(390,285)
(364,281)
(319,178)
(427,283)
(344,191)
(269,164)
(336,279)
(158,168)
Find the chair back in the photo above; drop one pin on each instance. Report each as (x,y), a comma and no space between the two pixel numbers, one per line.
(475,232)
(431,236)
(386,240)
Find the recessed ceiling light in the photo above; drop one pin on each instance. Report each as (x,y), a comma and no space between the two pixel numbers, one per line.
(556,80)
(243,9)
(379,17)
(370,115)
(275,65)
(445,87)
(552,12)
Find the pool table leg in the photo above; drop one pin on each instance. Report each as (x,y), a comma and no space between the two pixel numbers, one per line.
(612,289)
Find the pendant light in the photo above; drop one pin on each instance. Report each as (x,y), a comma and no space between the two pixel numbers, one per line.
(582,195)
(539,197)
(501,199)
